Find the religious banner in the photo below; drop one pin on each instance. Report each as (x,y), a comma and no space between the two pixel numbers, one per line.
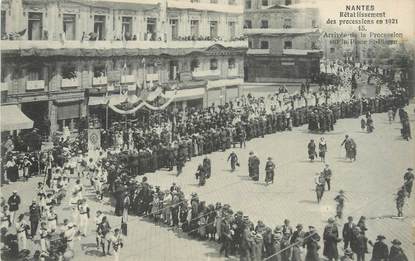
(94,139)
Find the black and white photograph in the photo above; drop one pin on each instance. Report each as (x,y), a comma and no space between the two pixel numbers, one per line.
(207,130)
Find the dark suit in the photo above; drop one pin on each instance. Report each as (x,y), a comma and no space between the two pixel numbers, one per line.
(347,234)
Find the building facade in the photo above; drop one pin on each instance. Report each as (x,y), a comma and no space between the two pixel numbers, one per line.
(283,39)
(60,58)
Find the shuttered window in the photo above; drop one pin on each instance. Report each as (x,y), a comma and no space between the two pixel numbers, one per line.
(68,110)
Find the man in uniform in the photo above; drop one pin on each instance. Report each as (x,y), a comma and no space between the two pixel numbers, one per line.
(408,181)
(347,232)
(44,234)
(234,160)
(14,202)
(117,243)
(83,217)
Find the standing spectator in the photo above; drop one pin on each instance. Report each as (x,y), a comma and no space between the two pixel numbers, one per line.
(359,244)
(311,239)
(348,232)
(14,202)
(396,252)
(380,250)
(331,238)
(35,215)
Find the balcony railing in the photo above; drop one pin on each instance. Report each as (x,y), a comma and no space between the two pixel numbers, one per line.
(258,51)
(35,85)
(205,73)
(70,83)
(152,77)
(99,81)
(233,72)
(8,45)
(4,86)
(128,79)
(223,8)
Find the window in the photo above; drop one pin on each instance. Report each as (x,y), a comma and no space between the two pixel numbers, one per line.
(127,27)
(264,45)
(332,50)
(313,45)
(232,27)
(288,44)
(248,24)
(128,69)
(213,1)
(35,26)
(194,64)
(69,72)
(248,4)
(213,29)
(194,27)
(99,71)
(69,26)
(213,64)
(3,22)
(264,23)
(173,70)
(174,26)
(99,27)
(264,2)
(194,1)
(287,23)
(151,29)
(34,74)
(231,63)
(313,23)
(232,2)
(288,2)
(250,44)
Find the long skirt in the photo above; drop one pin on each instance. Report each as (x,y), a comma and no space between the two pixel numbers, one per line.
(269,176)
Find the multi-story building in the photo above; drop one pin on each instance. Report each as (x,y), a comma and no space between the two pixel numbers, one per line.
(59,59)
(283,40)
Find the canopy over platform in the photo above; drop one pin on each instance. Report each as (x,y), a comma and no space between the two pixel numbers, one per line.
(12,118)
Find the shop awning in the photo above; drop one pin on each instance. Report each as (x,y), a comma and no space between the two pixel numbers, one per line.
(12,118)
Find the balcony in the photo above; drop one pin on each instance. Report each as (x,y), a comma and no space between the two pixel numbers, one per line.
(205,73)
(233,72)
(128,79)
(212,7)
(4,86)
(258,51)
(70,83)
(152,77)
(35,85)
(59,47)
(96,81)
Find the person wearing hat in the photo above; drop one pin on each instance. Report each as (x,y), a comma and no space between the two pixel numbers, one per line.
(226,235)
(35,214)
(396,252)
(14,202)
(21,228)
(44,234)
(359,243)
(311,147)
(327,173)
(400,200)
(311,239)
(350,147)
(319,181)
(234,160)
(297,234)
(408,181)
(380,250)
(269,171)
(207,166)
(253,166)
(347,231)
(331,238)
(348,255)
(340,204)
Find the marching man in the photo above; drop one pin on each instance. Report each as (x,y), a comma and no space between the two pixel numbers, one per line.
(83,216)
(44,234)
(117,243)
(234,160)
(52,219)
(21,227)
